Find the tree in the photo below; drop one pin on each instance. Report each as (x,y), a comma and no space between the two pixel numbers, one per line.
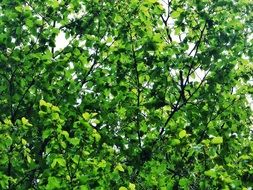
(146,95)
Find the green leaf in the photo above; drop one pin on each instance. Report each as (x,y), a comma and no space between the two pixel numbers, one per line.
(25,121)
(43,103)
(86,116)
(55,108)
(118,18)
(23,141)
(151,1)
(102,164)
(77,52)
(75,141)
(217,140)
(55,116)
(46,133)
(175,14)
(182,134)
(60,161)
(29,159)
(132,186)
(96,135)
(84,187)
(29,23)
(119,168)
(175,142)
(7,140)
(55,4)
(19,8)
(210,173)
(53,183)
(8,121)
(183,182)
(65,134)
(245,157)
(4,180)
(122,188)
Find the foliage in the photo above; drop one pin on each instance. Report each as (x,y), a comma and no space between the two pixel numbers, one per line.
(144,96)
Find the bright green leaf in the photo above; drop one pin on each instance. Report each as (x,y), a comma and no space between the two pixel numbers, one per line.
(131,186)
(122,188)
(86,116)
(182,134)
(75,141)
(211,173)
(119,168)
(217,140)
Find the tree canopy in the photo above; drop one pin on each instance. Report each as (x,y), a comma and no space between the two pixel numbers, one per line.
(146,94)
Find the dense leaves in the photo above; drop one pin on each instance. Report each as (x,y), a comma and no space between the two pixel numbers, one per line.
(145,94)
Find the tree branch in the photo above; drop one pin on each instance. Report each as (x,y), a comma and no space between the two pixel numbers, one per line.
(178,106)
(138,91)
(197,44)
